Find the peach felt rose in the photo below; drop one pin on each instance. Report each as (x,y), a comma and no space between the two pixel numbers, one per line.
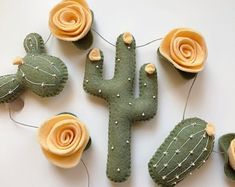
(70,20)
(63,139)
(185,49)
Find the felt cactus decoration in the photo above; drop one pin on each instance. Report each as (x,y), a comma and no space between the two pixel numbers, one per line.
(43,74)
(124,107)
(187,147)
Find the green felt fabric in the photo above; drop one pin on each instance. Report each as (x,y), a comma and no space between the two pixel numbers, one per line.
(224,143)
(182,152)
(43,74)
(10,88)
(123,106)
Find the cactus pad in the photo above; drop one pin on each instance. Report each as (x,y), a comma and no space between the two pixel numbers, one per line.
(10,88)
(43,74)
(187,147)
(124,107)
(224,143)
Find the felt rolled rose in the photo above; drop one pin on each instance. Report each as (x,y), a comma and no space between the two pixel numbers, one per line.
(63,139)
(71,20)
(185,48)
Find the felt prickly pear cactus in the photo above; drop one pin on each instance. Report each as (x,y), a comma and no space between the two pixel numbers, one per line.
(187,147)
(43,74)
(124,107)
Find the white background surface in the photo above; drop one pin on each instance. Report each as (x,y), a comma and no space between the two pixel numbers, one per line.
(21,160)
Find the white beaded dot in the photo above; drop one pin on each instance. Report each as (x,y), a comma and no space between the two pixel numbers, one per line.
(192,164)
(165,165)
(205,149)
(143,114)
(164,153)
(191,152)
(118,169)
(54,75)
(191,136)
(177,177)
(130,103)
(129,47)
(43,84)
(10,91)
(118,95)
(204,161)
(177,151)
(112,148)
(87,81)
(175,138)
(97,66)
(116,122)
(163,177)
(154,165)
(190,173)
(36,67)
(129,79)
(100,91)
(145,84)
(118,59)
(179,165)
(127,142)
(23,75)
(154,97)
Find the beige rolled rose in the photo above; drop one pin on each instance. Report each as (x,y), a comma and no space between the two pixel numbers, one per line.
(63,139)
(185,48)
(70,20)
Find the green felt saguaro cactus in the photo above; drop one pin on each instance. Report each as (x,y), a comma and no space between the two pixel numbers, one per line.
(124,107)
(187,148)
(43,74)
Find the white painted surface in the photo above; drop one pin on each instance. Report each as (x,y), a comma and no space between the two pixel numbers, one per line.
(21,160)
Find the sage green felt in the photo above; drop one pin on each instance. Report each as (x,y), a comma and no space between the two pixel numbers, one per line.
(123,106)
(186,75)
(224,143)
(10,88)
(43,74)
(84,43)
(186,148)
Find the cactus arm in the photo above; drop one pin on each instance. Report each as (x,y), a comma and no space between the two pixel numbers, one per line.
(34,44)
(93,79)
(125,60)
(10,88)
(145,106)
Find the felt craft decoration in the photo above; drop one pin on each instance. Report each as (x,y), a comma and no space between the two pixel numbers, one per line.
(43,74)
(71,20)
(185,49)
(63,139)
(187,148)
(227,146)
(124,108)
